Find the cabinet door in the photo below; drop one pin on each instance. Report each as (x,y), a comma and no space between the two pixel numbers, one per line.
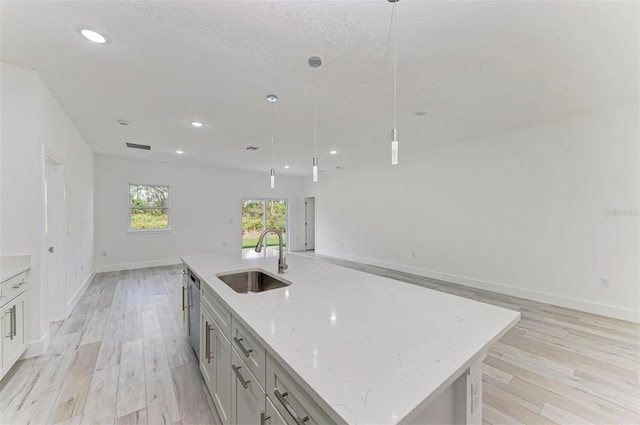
(272,416)
(207,349)
(247,396)
(222,384)
(13,330)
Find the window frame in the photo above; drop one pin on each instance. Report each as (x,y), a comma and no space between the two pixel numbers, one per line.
(168,208)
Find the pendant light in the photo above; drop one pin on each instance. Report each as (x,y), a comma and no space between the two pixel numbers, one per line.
(314,62)
(394,131)
(272,98)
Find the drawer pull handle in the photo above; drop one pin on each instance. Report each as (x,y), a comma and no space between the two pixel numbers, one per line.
(264,418)
(183,289)
(246,352)
(15,322)
(243,382)
(16,286)
(207,342)
(281,398)
(10,313)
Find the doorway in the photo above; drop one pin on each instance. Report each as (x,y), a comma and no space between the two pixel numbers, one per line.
(54,198)
(260,214)
(310,223)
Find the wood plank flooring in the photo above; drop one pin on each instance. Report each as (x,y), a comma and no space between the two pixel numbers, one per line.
(120,358)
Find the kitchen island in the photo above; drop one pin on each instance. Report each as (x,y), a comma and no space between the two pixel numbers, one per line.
(365,349)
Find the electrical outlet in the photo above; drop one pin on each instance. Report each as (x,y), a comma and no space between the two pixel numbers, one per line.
(413,254)
(104,253)
(604,282)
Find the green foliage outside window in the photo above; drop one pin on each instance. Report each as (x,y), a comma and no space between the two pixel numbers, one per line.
(148,207)
(253,221)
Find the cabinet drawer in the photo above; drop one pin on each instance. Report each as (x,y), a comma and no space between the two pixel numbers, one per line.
(247,397)
(291,401)
(250,350)
(272,416)
(218,310)
(11,288)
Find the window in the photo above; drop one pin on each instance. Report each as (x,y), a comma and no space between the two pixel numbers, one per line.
(259,214)
(148,207)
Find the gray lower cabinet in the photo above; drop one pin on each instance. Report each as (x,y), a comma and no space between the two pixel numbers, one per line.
(12,321)
(215,364)
(272,416)
(247,396)
(247,385)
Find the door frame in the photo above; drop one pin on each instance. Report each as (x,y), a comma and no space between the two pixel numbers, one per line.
(306,226)
(56,307)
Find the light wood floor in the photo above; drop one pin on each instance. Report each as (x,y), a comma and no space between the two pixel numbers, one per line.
(120,358)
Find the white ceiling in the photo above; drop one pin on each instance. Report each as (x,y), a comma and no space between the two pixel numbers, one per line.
(477,68)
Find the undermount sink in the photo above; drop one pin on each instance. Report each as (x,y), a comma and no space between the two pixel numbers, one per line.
(252,280)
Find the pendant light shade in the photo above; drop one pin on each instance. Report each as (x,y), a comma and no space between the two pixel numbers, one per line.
(315,168)
(394,146)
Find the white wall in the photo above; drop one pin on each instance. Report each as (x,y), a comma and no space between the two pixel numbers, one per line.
(205,211)
(529,213)
(32,121)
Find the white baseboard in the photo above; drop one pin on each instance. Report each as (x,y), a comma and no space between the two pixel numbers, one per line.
(139,265)
(615,312)
(76,297)
(37,348)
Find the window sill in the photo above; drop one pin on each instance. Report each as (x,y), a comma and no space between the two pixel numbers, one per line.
(147,231)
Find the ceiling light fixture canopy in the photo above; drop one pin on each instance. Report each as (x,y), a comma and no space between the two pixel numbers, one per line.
(93,36)
(314,62)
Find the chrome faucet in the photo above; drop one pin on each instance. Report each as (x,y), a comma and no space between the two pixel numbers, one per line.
(282,261)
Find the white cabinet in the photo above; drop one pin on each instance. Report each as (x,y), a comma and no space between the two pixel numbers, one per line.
(247,396)
(215,361)
(293,403)
(12,316)
(272,416)
(247,385)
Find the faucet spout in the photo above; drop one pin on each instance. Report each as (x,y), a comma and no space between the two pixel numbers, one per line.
(282,261)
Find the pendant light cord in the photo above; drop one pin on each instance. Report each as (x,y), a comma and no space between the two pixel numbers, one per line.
(315,114)
(395,64)
(272,154)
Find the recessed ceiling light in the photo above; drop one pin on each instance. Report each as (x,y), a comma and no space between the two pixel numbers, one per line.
(196,123)
(333,152)
(93,36)
(179,152)
(286,166)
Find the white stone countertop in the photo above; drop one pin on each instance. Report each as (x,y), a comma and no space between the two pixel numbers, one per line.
(368,349)
(7,272)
